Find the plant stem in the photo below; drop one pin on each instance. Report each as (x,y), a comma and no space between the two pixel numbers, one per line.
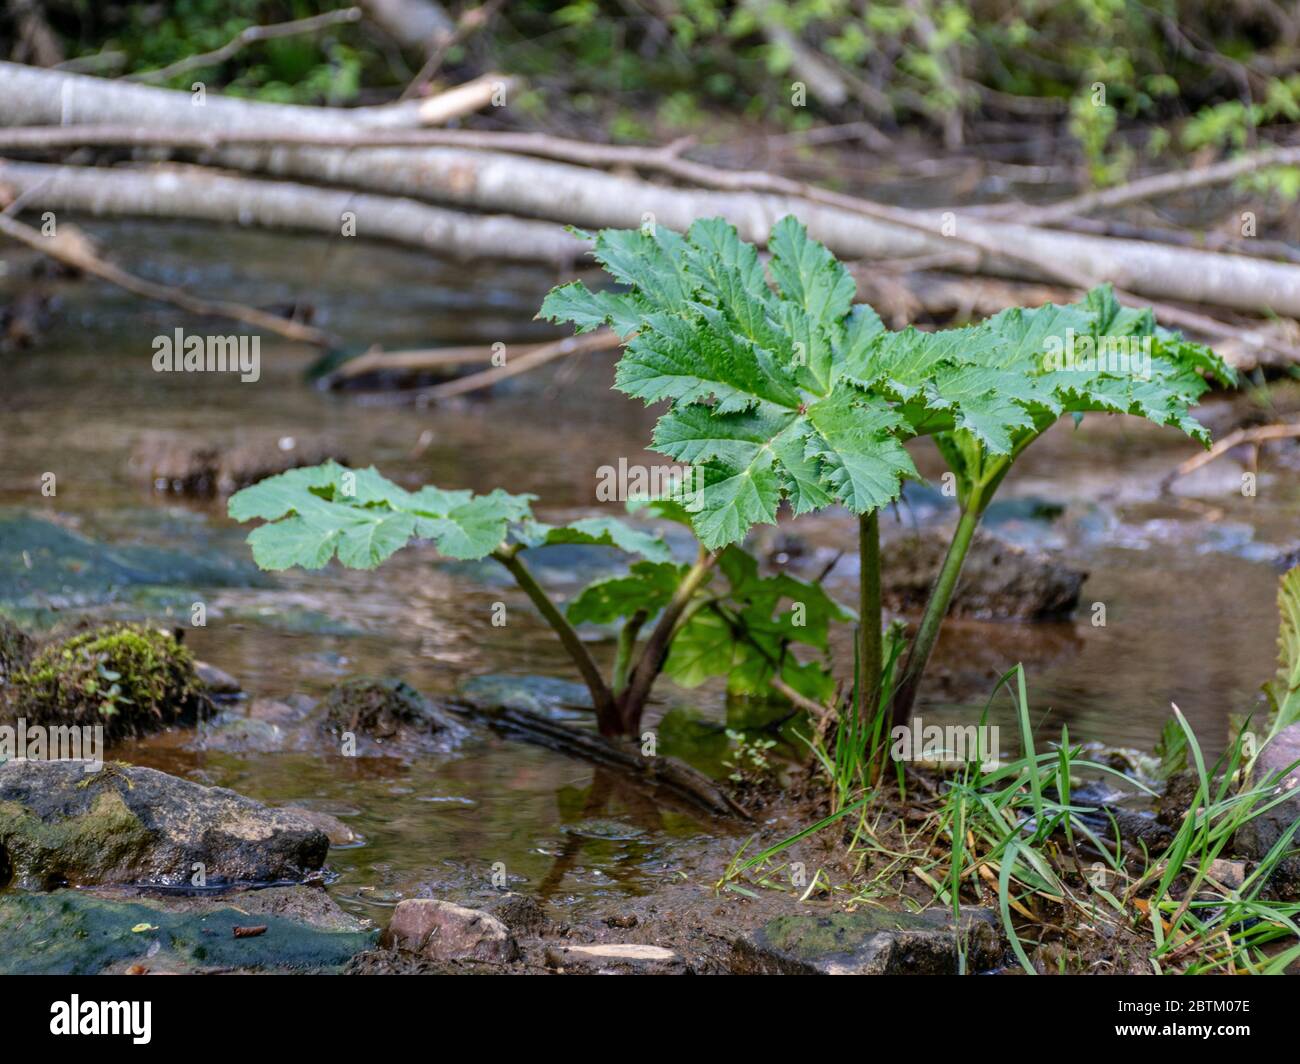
(936,608)
(626,644)
(607,717)
(633,698)
(870,617)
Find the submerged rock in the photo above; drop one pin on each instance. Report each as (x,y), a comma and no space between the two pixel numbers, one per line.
(63,826)
(1256,837)
(998,580)
(69,932)
(388,716)
(217,682)
(547,696)
(46,567)
(175,463)
(128,678)
(441,931)
(615,958)
(870,942)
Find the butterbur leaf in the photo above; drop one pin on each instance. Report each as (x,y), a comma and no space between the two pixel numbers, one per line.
(781,389)
(316,513)
(602,531)
(647,587)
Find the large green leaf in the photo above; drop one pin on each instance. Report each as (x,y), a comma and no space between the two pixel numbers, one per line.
(789,391)
(316,513)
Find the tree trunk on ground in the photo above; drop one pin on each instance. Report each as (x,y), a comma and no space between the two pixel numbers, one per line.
(29,96)
(193,193)
(494,181)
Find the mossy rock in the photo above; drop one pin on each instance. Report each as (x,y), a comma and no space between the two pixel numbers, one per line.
(388,715)
(129,678)
(62,823)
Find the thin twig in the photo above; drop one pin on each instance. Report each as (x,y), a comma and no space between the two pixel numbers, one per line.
(247,36)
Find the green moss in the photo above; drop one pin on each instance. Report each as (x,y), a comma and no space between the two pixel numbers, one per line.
(71,933)
(130,678)
(76,850)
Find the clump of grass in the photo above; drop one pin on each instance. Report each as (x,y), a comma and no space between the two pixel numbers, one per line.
(1072,895)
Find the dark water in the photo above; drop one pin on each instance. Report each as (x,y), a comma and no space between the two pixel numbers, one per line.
(1188,586)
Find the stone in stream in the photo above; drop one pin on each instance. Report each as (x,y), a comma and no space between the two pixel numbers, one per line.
(74,932)
(999,581)
(442,931)
(174,463)
(614,958)
(870,942)
(387,716)
(1256,837)
(547,696)
(217,682)
(61,825)
(128,678)
(335,830)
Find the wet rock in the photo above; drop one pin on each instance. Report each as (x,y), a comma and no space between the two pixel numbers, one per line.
(241,735)
(547,696)
(289,711)
(45,566)
(217,682)
(870,942)
(522,914)
(128,678)
(998,580)
(61,825)
(16,649)
(175,463)
(79,933)
(1179,793)
(442,931)
(335,830)
(1256,837)
(614,958)
(1232,874)
(388,716)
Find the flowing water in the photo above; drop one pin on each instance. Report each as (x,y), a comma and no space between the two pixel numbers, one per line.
(1188,585)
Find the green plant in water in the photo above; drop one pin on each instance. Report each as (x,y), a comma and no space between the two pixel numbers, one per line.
(784,390)
(715,617)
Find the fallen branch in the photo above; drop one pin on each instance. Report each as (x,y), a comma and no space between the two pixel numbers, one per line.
(674,776)
(72,249)
(418,361)
(850,226)
(202,195)
(1152,187)
(1257,435)
(29,96)
(602,340)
